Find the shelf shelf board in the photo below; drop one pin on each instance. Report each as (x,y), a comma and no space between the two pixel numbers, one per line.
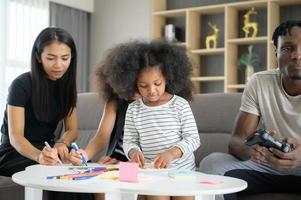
(206,10)
(208,78)
(250,40)
(286,2)
(246,5)
(182,44)
(208,51)
(236,86)
(171,13)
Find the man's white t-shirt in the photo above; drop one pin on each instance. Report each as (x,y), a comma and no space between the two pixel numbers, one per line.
(265,96)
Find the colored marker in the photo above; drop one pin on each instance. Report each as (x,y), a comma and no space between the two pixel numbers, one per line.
(75,147)
(96,169)
(83,177)
(47,145)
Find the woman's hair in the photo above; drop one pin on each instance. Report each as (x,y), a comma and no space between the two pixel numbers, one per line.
(117,74)
(66,85)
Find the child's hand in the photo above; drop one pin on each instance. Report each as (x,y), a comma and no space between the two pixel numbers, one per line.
(75,156)
(137,156)
(163,160)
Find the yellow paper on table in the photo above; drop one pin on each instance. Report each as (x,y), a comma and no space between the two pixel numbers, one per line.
(112,175)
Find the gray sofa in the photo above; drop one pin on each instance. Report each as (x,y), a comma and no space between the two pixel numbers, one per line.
(214,114)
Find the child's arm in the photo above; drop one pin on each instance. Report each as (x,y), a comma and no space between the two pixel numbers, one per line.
(191,138)
(187,145)
(131,137)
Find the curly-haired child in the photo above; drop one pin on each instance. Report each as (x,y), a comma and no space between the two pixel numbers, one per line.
(159,126)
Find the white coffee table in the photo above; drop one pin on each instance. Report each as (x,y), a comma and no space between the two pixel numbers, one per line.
(34,180)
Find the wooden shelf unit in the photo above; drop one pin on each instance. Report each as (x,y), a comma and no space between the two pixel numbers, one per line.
(228,17)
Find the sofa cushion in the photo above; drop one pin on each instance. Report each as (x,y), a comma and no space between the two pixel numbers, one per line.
(217,142)
(89,108)
(10,190)
(215,113)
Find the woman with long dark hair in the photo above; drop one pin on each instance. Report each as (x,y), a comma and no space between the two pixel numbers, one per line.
(37,101)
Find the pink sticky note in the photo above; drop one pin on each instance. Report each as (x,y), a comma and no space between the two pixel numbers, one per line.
(211,182)
(128,172)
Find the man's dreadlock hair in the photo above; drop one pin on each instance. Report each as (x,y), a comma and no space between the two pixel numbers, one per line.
(284,28)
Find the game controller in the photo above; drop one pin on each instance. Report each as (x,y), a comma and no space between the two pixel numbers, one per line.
(264,138)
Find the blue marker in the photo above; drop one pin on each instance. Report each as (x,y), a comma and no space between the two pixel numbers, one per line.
(75,147)
(82,177)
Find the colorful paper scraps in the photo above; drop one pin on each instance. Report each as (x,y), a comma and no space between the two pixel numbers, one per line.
(84,173)
(211,181)
(181,174)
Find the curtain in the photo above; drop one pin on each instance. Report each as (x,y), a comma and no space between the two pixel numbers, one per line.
(77,23)
(20,23)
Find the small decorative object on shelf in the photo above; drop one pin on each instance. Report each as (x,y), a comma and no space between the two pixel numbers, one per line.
(248,24)
(170,33)
(212,38)
(248,62)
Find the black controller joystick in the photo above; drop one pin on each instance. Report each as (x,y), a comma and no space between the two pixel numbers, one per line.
(264,138)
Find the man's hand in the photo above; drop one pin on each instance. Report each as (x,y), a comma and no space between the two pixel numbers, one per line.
(285,161)
(257,153)
(137,156)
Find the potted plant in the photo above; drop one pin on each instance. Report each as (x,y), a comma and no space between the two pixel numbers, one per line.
(248,62)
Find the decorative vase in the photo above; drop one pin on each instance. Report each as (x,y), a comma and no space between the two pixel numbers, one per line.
(170,33)
(248,72)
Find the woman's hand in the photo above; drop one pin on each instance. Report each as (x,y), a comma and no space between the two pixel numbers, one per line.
(75,157)
(107,160)
(48,156)
(137,156)
(63,151)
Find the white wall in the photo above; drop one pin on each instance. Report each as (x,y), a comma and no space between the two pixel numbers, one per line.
(86,5)
(115,21)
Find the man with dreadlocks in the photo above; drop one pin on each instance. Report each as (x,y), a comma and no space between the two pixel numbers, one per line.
(271,99)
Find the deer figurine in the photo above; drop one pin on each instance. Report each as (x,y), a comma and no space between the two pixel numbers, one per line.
(212,38)
(248,25)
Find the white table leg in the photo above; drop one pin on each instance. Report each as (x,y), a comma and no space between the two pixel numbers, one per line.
(120,196)
(33,194)
(129,196)
(205,197)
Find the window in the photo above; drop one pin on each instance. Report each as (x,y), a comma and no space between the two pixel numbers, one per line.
(21,21)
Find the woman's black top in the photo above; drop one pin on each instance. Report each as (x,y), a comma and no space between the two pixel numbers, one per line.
(35,131)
